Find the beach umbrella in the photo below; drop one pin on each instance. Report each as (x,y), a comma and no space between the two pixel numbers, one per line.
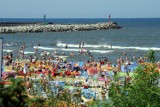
(80,64)
(92,71)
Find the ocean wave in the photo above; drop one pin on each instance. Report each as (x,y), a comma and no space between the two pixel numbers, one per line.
(72,49)
(60,44)
(29,52)
(101,51)
(7,44)
(7,50)
(53,49)
(136,48)
(60,56)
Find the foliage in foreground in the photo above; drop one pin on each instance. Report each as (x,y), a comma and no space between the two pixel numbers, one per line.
(13,95)
(143,91)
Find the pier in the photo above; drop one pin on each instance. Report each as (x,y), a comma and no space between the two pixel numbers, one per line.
(50,27)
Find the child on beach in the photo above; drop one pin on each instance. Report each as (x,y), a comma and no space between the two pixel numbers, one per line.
(127,79)
(29,86)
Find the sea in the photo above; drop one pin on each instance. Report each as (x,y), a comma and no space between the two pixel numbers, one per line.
(137,37)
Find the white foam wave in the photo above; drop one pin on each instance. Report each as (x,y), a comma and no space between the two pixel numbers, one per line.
(60,56)
(44,54)
(28,52)
(7,44)
(72,49)
(101,51)
(137,48)
(7,50)
(52,49)
(43,48)
(60,44)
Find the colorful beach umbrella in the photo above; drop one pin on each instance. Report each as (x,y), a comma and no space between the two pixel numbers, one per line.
(80,63)
(92,71)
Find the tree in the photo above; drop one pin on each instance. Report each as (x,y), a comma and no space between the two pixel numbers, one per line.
(143,91)
(151,56)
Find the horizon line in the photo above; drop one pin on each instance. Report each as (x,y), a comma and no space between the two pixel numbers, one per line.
(78,18)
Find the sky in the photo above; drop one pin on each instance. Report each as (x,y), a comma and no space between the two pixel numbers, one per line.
(79,8)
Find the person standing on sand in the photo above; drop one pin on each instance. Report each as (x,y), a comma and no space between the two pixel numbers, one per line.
(36,50)
(134,57)
(22,50)
(40,67)
(25,70)
(29,86)
(127,79)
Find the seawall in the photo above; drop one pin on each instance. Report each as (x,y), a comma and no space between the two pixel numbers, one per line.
(27,28)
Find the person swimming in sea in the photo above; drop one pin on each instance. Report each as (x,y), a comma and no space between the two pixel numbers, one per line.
(111,46)
(66,46)
(124,53)
(82,44)
(63,53)
(39,44)
(55,52)
(72,54)
(79,45)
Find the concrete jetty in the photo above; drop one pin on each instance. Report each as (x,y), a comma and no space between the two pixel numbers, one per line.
(57,27)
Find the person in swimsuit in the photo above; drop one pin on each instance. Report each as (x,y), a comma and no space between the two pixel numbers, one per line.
(28,85)
(66,46)
(127,79)
(40,67)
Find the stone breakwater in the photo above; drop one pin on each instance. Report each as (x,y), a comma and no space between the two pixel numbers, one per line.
(57,27)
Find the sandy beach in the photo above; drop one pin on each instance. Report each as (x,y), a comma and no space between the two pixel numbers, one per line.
(89,76)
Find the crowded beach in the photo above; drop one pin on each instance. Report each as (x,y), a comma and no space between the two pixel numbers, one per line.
(91,78)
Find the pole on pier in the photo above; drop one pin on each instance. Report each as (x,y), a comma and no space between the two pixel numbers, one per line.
(109,18)
(44,18)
